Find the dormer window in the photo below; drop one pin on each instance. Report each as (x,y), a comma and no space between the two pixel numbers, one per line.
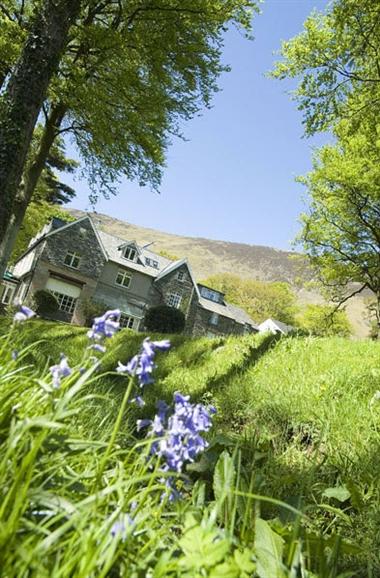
(72,260)
(130,253)
(151,263)
(211,294)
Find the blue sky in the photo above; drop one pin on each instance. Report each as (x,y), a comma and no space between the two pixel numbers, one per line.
(234,177)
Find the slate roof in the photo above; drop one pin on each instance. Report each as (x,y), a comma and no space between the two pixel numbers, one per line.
(227,310)
(111,245)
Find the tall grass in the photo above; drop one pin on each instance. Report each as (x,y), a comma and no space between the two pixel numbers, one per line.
(82,496)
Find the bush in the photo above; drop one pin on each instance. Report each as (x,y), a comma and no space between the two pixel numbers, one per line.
(91,309)
(45,303)
(164,319)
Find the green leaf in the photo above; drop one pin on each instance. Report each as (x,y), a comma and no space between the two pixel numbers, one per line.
(340,493)
(224,476)
(269,549)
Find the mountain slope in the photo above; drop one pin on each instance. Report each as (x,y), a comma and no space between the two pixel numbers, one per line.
(208,257)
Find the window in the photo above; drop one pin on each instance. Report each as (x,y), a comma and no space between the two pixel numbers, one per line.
(214,319)
(7,294)
(65,302)
(123,278)
(181,276)
(151,263)
(211,295)
(23,291)
(174,300)
(72,260)
(130,253)
(126,321)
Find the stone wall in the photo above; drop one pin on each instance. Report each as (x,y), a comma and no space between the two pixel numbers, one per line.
(79,238)
(225,326)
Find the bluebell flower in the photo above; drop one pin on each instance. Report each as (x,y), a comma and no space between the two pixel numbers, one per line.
(23,314)
(98,347)
(177,436)
(60,370)
(105,325)
(142,364)
(14,354)
(122,526)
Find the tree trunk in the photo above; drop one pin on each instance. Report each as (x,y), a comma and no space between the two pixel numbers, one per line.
(31,179)
(24,96)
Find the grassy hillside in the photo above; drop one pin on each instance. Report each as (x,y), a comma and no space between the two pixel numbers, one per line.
(302,411)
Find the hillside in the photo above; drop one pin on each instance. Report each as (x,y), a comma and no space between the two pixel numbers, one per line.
(208,257)
(289,403)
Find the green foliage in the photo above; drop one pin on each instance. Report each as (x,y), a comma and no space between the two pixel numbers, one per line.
(90,309)
(37,216)
(260,299)
(323,320)
(168,255)
(164,319)
(341,231)
(71,467)
(336,58)
(44,302)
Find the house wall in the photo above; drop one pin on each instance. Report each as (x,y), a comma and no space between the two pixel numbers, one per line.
(162,288)
(225,325)
(80,238)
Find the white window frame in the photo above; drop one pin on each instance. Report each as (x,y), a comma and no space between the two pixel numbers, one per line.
(181,276)
(124,275)
(151,262)
(127,321)
(23,291)
(174,299)
(72,257)
(7,295)
(214,319)
(128,251)
(66,303)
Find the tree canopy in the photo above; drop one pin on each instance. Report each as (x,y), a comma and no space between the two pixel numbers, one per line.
(337,61)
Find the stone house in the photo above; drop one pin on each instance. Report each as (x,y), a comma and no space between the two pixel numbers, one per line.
(78,262)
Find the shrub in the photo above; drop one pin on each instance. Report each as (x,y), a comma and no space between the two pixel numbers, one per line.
(164,319)
(44,302)
(91,309)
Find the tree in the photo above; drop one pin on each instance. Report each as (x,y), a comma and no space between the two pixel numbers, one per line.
(337,58)
(164,319)
(323,320)
(260,299)
(130,73)
(341,230)
(24,95)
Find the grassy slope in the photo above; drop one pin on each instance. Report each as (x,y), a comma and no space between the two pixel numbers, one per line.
(300,406)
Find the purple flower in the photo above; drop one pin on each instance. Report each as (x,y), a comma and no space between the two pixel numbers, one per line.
(60,370)
(105,326)
(121,526)
(97,347)
(179,440)
(23,314)
(142,365)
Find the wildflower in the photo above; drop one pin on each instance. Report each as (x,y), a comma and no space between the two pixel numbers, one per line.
(14,354)
(142,364)
(121,526)
(179,433)
(98,347)
(60,370)
(105,326)
(23,314)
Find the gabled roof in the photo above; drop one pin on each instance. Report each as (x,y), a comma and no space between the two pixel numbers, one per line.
(175,265)
(55,230)
(113,247)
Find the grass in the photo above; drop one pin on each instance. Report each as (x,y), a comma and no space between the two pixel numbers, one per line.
(295,423)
